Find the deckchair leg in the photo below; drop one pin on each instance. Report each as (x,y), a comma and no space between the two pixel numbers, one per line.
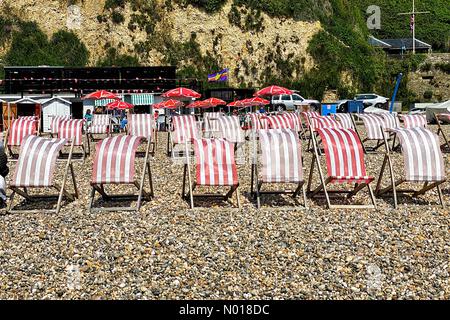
(238,198)
(372,196)
(150,178)
(258,195)
(441,198)
(11,200)
(91,200)
(74,181)
(304,196)
(252,180)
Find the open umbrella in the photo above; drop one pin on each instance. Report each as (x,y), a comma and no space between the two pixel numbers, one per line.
(171,104)
(213,102)
(180,93)
(195,104)
(272,91)
(257,101)
(101,95)
(237,103)
(121,105)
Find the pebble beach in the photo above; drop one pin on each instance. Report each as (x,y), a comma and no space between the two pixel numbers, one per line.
(216,251)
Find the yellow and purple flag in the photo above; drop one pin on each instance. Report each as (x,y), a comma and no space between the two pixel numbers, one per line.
(220,76)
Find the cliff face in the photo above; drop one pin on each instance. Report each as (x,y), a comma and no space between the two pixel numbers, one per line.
(246,53)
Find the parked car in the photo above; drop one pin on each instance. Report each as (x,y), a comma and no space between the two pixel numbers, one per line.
(291,101)
(373,101)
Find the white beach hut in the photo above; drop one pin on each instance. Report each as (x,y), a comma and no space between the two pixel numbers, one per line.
(53,107)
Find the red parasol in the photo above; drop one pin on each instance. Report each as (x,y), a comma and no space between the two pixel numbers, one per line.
(213,102)
(171,104)
(257,101)
(121,105)
(181,93)
(272,90)
(195,104)
(237,103)
(101,95)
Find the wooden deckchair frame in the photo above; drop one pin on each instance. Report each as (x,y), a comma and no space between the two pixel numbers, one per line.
(93,138)
(324,182)
(142,193)
(62,192)
(189,196)
(171,145)
(256,184)
(440,132)
(393,191)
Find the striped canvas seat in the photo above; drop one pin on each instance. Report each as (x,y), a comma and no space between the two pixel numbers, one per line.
(55,121)
(71,129)
(230,129)
(31,118)
(114,160)
(36,163)
(422,155)
(414,120)
(295,119)
(345,119)
(280,122)
(306,115)
(255,122)
(141,125)
(210,121)
(216,165)
(323,122)
(100,124)
(391,120)
(373,124)
(184,129)
(281,156)
(344,156)
(20,128)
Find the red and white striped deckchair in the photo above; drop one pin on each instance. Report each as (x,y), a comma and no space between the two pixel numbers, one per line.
(281,162)
(306,115)
(141,125)
(346,120)
(215,167)
(373,124)
(114,164)
(323,122)
(345,165)
(73,130)
(101,124)
(423,163)
(230,129)
(414,120)
(35,170)
(184,129)
(19,129)
(281,121)
(210,123)
(297,121)
(257,122)
(54,123)
(442,118)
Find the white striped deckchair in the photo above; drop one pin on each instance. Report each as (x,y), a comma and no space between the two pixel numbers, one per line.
(100,125)
(230,129)
(305,116)
(19,129)
(345,165)
(210,123)
(141,125)
(281,163)
(114,164)
(414,120)
(257,122)
(184,129)
(391,120)
(281,121)
(440,119)
(215,167)
(373,124)
(297,121)
(35,170)
(54,123)
(73,130)
(316,123)
(346,120)
(423,163)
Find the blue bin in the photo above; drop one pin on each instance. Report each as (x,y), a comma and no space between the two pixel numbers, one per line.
(355,106)
(329,108)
